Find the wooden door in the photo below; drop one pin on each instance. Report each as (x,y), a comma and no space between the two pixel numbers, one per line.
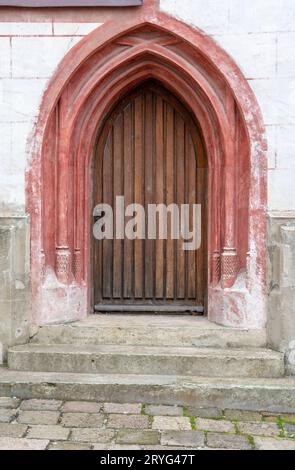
(150,151)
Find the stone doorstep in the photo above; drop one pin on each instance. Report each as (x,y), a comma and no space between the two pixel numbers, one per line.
(149,331)
(271,395)
(124,359)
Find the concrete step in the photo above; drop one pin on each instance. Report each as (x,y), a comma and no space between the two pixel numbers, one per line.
(150,330)
(272,395)
(122,359)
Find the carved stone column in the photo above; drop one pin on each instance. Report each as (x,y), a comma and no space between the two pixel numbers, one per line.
(229,267)
(216,268)
(78,271)
(63,264)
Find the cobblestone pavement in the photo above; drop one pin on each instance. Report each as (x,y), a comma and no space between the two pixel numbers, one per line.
(50,424)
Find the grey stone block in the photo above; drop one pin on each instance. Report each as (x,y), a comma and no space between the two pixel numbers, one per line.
(140,437)
(183,438)
(53,432)
(127,421)
(81,407)
(12,430)
(12,443)
(38,417)
(82,420)
(41,405)
(227,441)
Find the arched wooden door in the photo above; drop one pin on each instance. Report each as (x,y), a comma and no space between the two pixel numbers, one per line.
(150,151)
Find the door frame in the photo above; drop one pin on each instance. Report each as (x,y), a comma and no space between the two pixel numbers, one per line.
(126,50)
(196,134)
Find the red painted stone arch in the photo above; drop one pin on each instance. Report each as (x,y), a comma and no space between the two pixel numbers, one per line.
(92,77)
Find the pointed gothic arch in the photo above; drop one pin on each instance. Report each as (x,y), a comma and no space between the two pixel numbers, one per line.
(89,81)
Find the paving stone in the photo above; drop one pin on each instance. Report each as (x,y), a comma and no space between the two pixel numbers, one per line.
(41,405)
(270,419)
(116,447)
(92,435)
(183,438)
(63,445)
(177,423)
(7,415)
(140,437)
(39,417)
(290,418)
(215,425)
(227,441)
(163,448)
(11,443)
(240,415)
(163,410)
(125,408)
(290,429)
(51,432)
(128,421)
(12,430)
(81,407)
(204,412)
(268,443)
(259,429)
(82,420)
(7,402)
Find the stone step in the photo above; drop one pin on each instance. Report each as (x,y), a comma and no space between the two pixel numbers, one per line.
(122,359)
(272,395)
(150,330)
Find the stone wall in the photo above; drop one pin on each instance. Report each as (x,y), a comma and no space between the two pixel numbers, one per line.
(14,282)
(281,285)
(258,34)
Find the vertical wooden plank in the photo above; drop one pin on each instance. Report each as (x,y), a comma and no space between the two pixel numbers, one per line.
(118,191)
(169,144)
(201,199)
(128,193)
(97,268)
(202,300)
(149,148)
(180,199)
(159,255)
(107,245)
(138,194)
(191,199)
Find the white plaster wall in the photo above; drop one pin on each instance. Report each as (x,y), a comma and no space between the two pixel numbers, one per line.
(29,53)
(258,34)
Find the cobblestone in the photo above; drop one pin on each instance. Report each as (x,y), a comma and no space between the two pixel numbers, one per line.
(38,417)
(227,441)
(127,421)
(54,432)
(81,425)
(171,422)
(215,425)
(259,429)
(81,407)
(7,415)
(41,405)
(12,430)
(82,420)
(163,410)
(6,402)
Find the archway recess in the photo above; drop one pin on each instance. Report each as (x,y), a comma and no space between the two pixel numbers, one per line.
(108,63)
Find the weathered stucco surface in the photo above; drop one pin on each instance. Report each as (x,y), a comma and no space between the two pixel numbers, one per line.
(14,282)
(258,34)
(281,285)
